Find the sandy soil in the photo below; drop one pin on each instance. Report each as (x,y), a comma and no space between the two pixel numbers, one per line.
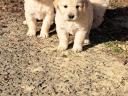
(30,66)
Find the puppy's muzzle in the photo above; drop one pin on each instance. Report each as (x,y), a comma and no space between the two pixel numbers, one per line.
(71,16)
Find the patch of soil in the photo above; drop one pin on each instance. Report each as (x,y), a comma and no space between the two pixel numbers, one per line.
(30,66)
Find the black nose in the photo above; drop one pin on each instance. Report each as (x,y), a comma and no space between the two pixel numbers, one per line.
(71,16)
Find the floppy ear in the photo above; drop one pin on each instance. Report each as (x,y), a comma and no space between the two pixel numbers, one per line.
(85,4)
(55,3)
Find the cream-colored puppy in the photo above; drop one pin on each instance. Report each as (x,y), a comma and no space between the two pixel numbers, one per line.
(73,17)
(99,7)
(41,10)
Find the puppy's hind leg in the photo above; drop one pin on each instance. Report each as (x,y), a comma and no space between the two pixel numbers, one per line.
(99,12)
(97,22)
(31,22)
(47,22)
(87,41)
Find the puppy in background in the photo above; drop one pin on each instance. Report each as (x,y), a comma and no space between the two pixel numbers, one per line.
(73,17)
(41,10)
(99,7)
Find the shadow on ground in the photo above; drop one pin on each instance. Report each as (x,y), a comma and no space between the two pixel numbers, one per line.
(114,27)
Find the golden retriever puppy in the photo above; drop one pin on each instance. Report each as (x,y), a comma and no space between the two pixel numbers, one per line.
(99,7)
(73,17)
(41,10)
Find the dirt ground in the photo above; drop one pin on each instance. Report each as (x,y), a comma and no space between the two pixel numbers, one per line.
(30,66)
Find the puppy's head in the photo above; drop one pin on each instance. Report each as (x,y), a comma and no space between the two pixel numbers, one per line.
(71,9)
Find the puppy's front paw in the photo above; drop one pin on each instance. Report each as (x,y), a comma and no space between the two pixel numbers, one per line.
(31,33)
(62,47)
(77,48)
(44,35)
(86,42)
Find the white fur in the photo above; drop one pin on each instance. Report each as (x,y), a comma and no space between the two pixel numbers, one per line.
(79,26)
(99,7)
(42,10)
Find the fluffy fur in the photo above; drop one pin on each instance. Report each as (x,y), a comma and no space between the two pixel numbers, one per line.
(41,10)
(99,7)
(73,17)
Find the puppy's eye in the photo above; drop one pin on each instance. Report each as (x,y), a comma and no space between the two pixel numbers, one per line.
(77,6)
(65,6)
